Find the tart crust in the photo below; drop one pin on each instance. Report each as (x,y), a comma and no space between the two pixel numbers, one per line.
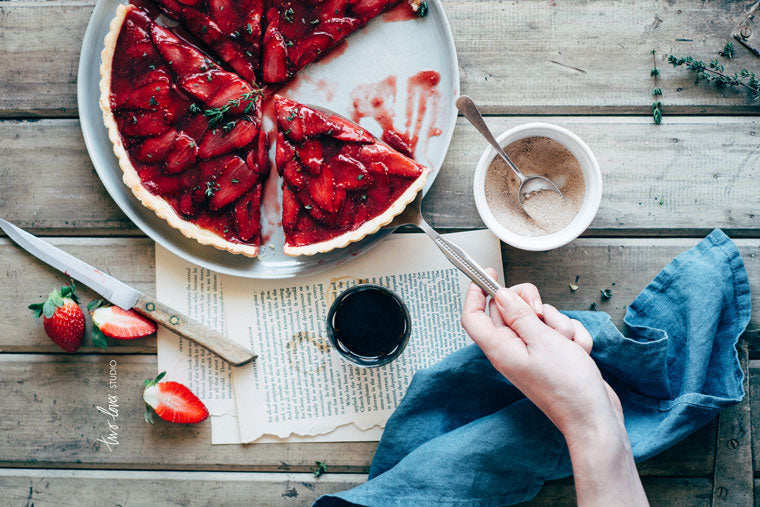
(367,228)
(160,206)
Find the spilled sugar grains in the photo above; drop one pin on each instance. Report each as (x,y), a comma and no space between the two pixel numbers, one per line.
(545,212)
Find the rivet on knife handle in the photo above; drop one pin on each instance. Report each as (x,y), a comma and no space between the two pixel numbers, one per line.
(219,344)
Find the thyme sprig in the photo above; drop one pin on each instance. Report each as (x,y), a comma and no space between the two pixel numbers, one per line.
(216,115)
(714,72)
(656,92)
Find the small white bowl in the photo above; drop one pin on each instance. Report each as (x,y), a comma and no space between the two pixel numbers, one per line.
(592,177)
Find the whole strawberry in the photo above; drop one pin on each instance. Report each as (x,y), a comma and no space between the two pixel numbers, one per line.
(62,318)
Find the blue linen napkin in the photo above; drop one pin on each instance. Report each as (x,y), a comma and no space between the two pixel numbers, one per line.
(463,435)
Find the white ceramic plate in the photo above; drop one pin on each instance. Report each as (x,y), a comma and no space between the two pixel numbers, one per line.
(380,50)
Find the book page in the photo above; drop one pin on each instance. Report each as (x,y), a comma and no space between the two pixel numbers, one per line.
(300,387)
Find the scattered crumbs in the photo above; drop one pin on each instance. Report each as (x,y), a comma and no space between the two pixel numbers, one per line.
(271,246)
(612,284)
(606,294)
(593,307)
(321,468)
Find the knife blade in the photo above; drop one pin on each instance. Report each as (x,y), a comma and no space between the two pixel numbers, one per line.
(126,297)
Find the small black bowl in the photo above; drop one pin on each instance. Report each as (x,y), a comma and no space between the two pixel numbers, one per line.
(382,297)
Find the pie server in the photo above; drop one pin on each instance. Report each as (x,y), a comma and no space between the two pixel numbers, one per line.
(126,297)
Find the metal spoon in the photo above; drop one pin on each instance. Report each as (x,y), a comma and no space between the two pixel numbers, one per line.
(528,184)
(412,215)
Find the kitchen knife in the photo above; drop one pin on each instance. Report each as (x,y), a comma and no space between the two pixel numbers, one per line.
(127,297)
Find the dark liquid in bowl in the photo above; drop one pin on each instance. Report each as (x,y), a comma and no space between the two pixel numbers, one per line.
(370,323)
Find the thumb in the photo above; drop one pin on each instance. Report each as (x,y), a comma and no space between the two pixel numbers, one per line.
(518,315)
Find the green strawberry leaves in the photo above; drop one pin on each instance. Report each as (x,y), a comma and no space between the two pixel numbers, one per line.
(98,338)
(93,305)
(56,299)
(149,383)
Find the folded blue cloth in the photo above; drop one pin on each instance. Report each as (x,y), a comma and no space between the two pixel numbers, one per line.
(463,435)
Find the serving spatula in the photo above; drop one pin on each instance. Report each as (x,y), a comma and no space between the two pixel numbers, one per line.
(126,297)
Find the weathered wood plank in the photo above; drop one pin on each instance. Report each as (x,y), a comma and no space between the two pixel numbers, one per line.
(629,263)
(516,57)
(50,487)
(60,427)
(670,492)
(733,480)
(702,170)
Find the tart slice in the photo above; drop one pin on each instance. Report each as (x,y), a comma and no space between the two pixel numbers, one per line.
(339,182)
(299,32)
(187,134)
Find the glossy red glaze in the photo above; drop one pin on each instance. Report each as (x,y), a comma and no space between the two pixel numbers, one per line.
(177,154)
(339,185)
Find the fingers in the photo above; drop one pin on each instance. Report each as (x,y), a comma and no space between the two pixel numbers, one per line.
(530,294)
(519,316)
(582,337)
(474,319)
(559,322)
(493,312)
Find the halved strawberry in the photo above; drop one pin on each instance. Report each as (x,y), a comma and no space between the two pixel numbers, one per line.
(143,123)
(182,155)
(247,214)
(322,190)
(289,118)
(236,179)
(349,173)
(225,14)
(310,154)
(274,57)
(290,208)
(183,58)
(121,324)
(316,123)
(339,27)
(332,9)
(368,9)
(230,136)
(154,76)
(312,208)
(283,152)
(258,158)
(235,90)
(154,149)
(395,162)
(398,142)
(309,48)
(293,174)
(150,96)
(191,201)
(349,131)
(172,402)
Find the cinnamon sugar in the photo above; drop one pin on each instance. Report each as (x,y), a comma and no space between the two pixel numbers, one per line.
(545,212)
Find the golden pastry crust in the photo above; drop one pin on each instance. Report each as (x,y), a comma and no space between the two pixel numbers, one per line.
(367,228)
(160,206)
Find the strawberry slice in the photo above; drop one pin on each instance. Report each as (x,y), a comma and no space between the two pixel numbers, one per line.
(258,159)
(322,190)
(350,131)
(150,96)
(247,214)
(293,174)
(290,209)
(154,149)
(312,208)
(332,9)
(236,179)
(183,58)
(114,322)
(398,142)
(172,402)
(289,119)
(349,173)
(316,123)
(308,49)
(310,154)
(225,14)
(143,123)
(154,76)
(231,136)
(339,28)
(395,163)
(182,155)
(284,151)
(191,201)
(275,53)
(233,89)
(368,9)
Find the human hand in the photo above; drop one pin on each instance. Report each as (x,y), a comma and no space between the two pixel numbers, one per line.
(545,355)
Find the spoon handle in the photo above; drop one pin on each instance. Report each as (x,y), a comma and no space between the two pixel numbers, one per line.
(462,260)
(470,111)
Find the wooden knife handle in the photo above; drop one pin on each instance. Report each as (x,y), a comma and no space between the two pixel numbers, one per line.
(219,344)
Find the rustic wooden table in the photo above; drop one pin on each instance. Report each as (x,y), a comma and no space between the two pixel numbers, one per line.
(583,65)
